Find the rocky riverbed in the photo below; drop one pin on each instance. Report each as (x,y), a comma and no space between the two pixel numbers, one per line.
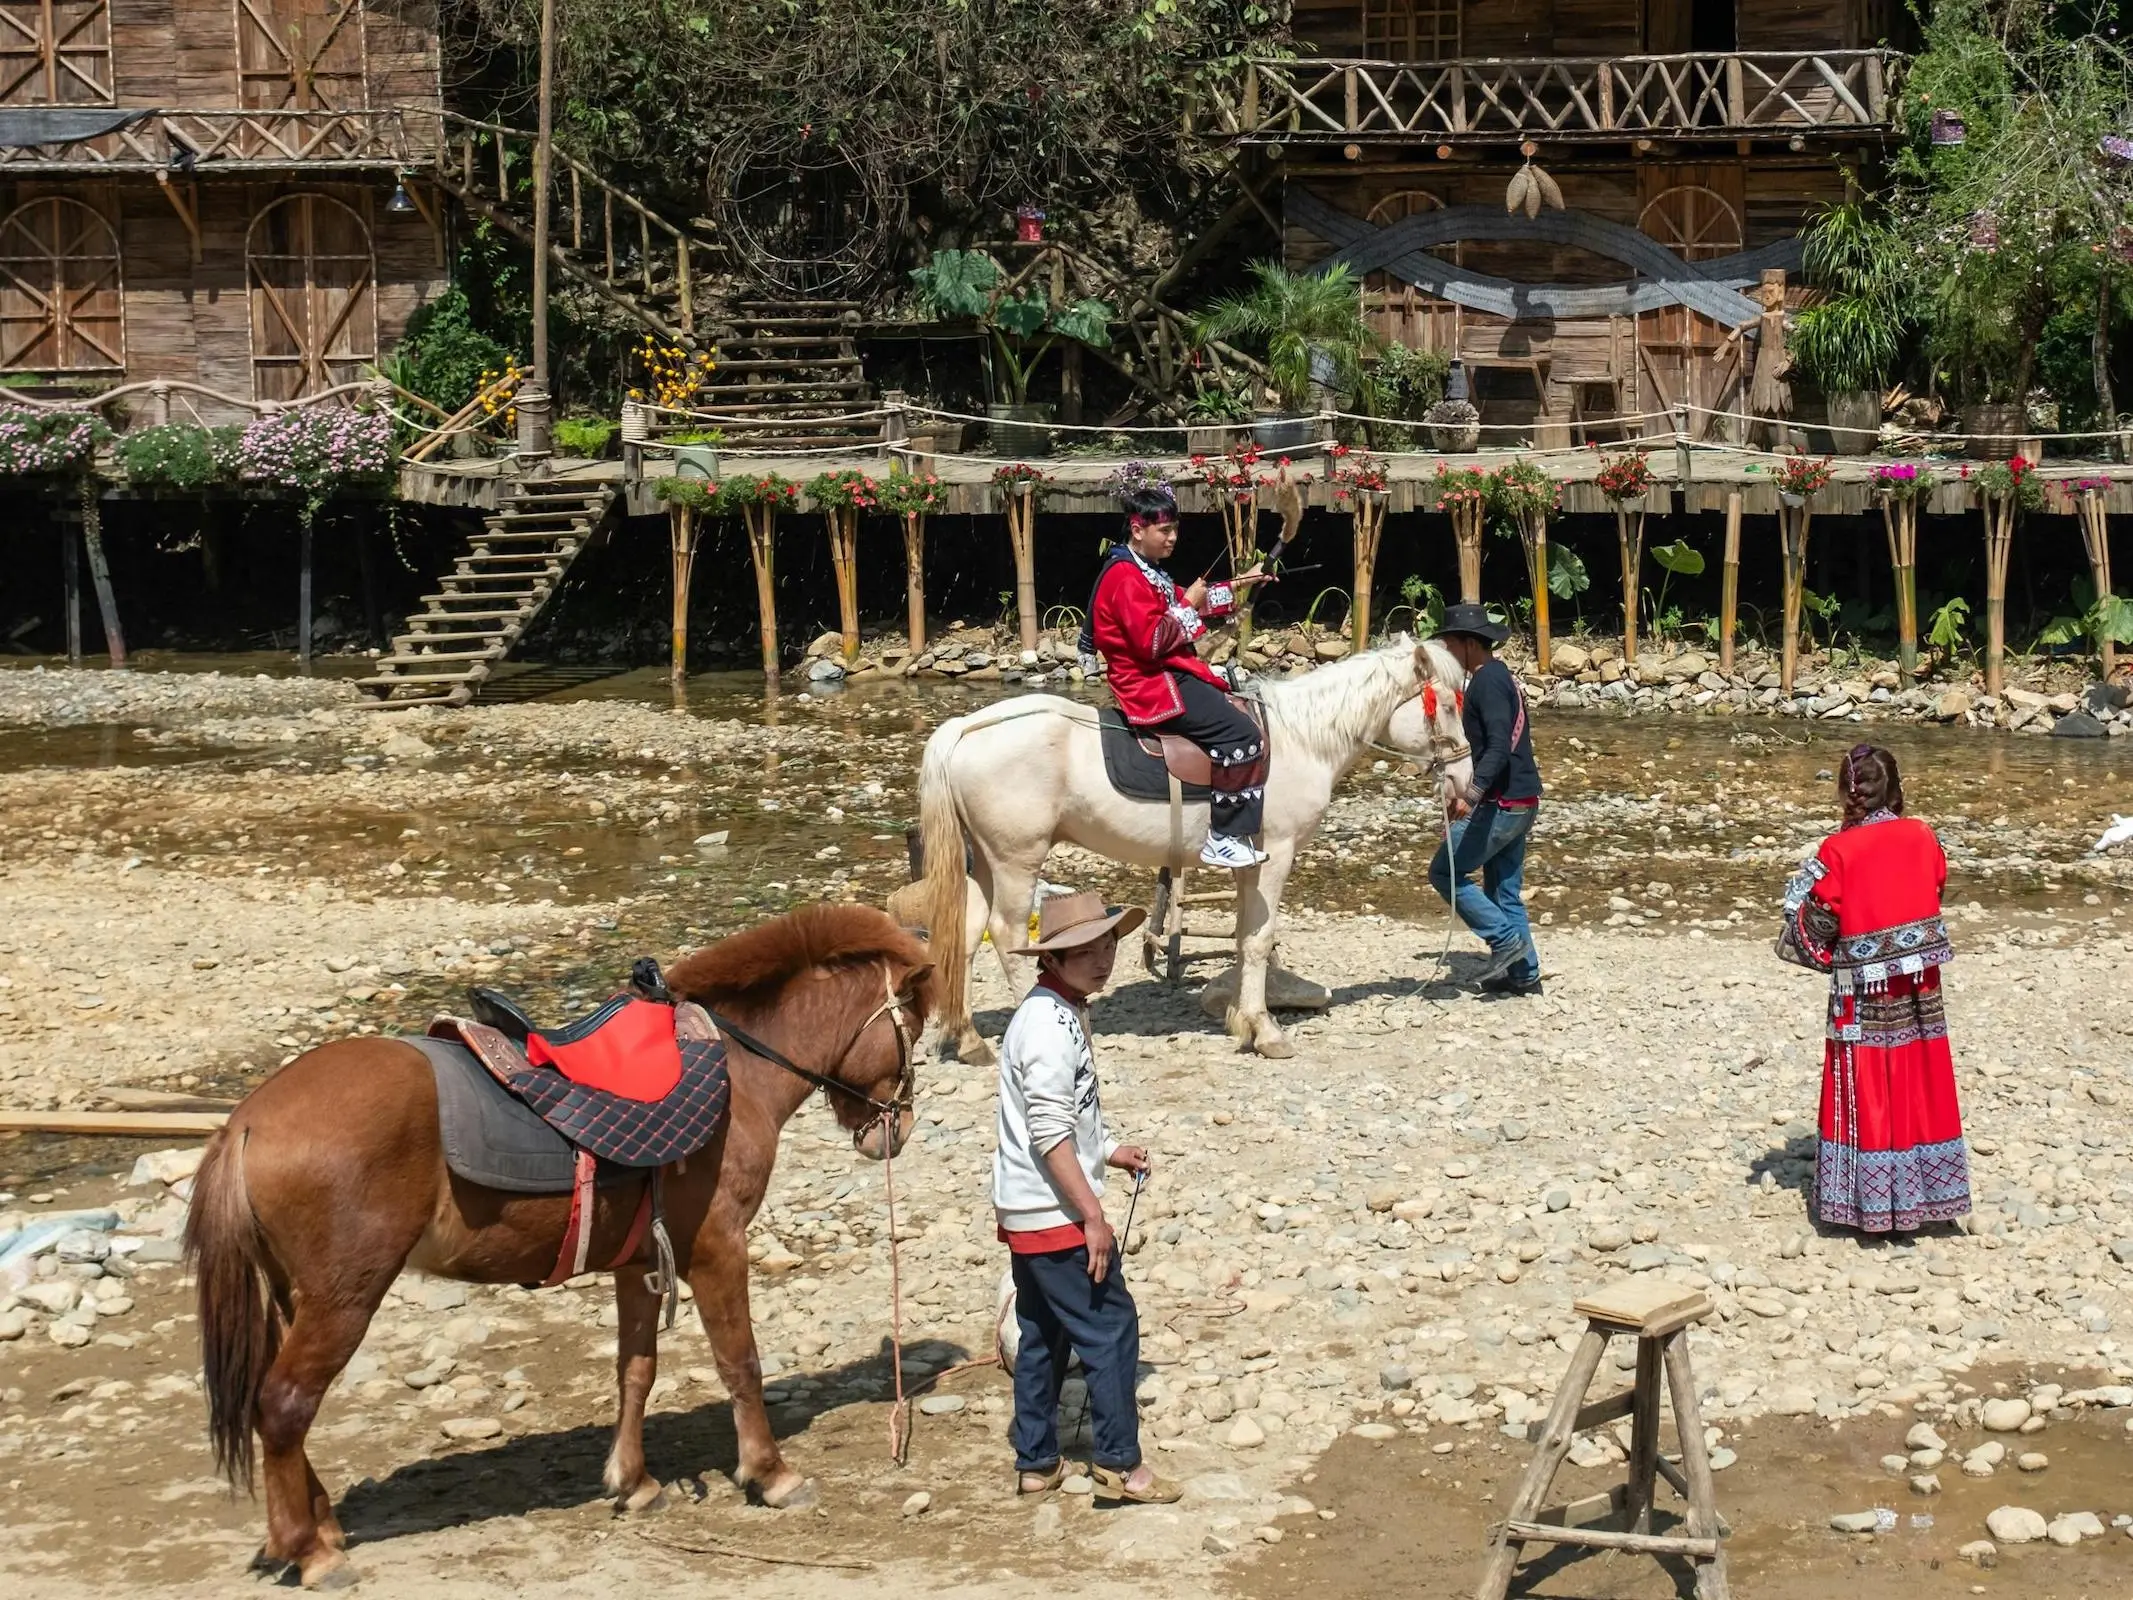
(1365,1254)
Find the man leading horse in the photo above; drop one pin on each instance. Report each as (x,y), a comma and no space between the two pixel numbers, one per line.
(1145,626)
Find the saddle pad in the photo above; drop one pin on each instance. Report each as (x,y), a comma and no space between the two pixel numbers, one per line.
(626,1048)
(636,1133)
(490,1136)
(1134,771)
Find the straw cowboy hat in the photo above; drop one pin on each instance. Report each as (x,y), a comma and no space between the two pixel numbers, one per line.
(1473,620)
(1067,920)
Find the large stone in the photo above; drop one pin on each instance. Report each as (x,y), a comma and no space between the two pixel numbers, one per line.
(1330,649)
(2004,1416)
(2027,699)
(823,671)
(2015,1525)
(1569,660)
(165,1166)
(1952,706)
(2078,725)
(2070,1528)
(1285,991)
(471,1428)
(1855,1521)
(826,644)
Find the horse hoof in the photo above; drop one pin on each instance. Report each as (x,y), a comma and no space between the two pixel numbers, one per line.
(330,1570)
(975,1052)
(650,1495)
(1277,1048)
(798,1496)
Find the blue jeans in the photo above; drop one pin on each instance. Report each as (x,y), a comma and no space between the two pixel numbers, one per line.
(1061,1309)
(1492,842)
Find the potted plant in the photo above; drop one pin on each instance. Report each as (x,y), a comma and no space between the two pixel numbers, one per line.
(1799,476)
(1847,341)
(1214,416)
(1311,325)
(1462,493)
(584,437)
(1021,326)
(1625,478)
(1454,422)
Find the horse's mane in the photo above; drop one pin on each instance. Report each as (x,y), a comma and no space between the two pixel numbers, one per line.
(1342,704)
(757,967)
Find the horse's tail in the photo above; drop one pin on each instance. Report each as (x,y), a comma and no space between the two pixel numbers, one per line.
(239,1333)
(941,839)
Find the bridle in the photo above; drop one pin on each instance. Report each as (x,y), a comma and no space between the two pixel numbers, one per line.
(893,1007)
(1440,758)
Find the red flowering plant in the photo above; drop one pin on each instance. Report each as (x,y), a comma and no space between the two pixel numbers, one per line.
(2014,480)
(1233,475)
(2073,490)
(765,489)
(1461,488)
(1802,475)
(1624,476)
(1355,473)
(1020,478)
(913,493)
(846,489)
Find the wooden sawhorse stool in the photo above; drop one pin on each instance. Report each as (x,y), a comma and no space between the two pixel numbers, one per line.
(1656,1314)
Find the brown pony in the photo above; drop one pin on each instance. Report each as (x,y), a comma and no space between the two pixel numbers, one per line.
(330,1179)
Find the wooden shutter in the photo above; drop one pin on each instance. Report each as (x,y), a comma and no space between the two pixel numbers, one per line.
(300,55)
(1682,354)
(314,309)
(55,53)
(1411,30)
(61,305)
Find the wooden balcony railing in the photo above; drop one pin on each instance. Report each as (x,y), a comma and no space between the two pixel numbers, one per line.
(216,140)
(1736,94)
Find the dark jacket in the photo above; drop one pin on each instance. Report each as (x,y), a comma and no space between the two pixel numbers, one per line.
(1498,729)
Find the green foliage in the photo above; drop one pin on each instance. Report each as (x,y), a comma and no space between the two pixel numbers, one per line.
(2093,620)
(1567,577)
(1310,615)
(1851,337)
(1219,403)
(844,489)
(444,357)
(968,285)
(905,493)
(1947,628)
(2013,479)
(1424,604)
(1679,557)
(1407,381)
(584,436)
(1676,559)
(736,495)
(712,436)
(698,494)
(38,443)
(2005,227)
(1299,319)
(179,456)
(1520,491)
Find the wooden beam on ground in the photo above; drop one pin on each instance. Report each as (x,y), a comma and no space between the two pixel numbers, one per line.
(144,1124)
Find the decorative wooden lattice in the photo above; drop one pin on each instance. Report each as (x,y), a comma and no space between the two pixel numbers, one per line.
(61,306)
(301,54)
(312,276)
(55,53)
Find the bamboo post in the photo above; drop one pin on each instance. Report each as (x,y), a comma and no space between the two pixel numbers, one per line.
(303,591)
(1793,522)
(1899,515)
(843,524)
(1369,525)
(681,533)
(1240,527)
(1999,541)
(1629,534)
(1466,533)
(1022,535)
(915,579)
(1729,586)
(762,521)
(2096,534)
(1533,533)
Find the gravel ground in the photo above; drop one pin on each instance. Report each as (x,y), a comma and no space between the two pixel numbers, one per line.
(64,697)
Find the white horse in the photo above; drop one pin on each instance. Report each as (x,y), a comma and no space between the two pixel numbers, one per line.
(1027,773)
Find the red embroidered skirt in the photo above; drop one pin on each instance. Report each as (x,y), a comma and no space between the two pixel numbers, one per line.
(1891,1156)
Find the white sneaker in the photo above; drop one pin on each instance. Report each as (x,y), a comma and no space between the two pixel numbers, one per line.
(1226,850)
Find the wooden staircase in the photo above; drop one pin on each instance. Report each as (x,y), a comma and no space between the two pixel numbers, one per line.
(782,364)
(498,585)
(788,373)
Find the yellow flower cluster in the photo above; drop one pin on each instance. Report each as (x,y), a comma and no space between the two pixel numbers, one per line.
(672,376)
(496,391)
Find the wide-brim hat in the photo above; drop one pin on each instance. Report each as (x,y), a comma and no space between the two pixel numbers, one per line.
(1066,921)
(1473,620)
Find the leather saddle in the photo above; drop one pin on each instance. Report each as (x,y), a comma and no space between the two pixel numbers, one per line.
(637,1083)
(1141,765)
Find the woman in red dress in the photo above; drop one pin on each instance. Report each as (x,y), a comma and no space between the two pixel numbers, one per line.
(1865,908)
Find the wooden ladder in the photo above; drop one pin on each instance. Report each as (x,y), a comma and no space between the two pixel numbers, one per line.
(509,571)
(1658,1315)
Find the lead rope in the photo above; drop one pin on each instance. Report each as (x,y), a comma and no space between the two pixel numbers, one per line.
(900,1411)
(1124,1240)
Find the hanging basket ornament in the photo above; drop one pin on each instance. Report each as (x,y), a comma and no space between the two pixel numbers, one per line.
(1948,128)
(1530,187)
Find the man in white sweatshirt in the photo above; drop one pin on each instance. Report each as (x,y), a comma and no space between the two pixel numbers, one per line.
(1047,1190)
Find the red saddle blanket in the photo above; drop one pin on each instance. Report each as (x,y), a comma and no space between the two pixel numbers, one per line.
(632,1053)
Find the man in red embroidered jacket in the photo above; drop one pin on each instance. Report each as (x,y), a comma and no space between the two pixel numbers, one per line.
(1145,625)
